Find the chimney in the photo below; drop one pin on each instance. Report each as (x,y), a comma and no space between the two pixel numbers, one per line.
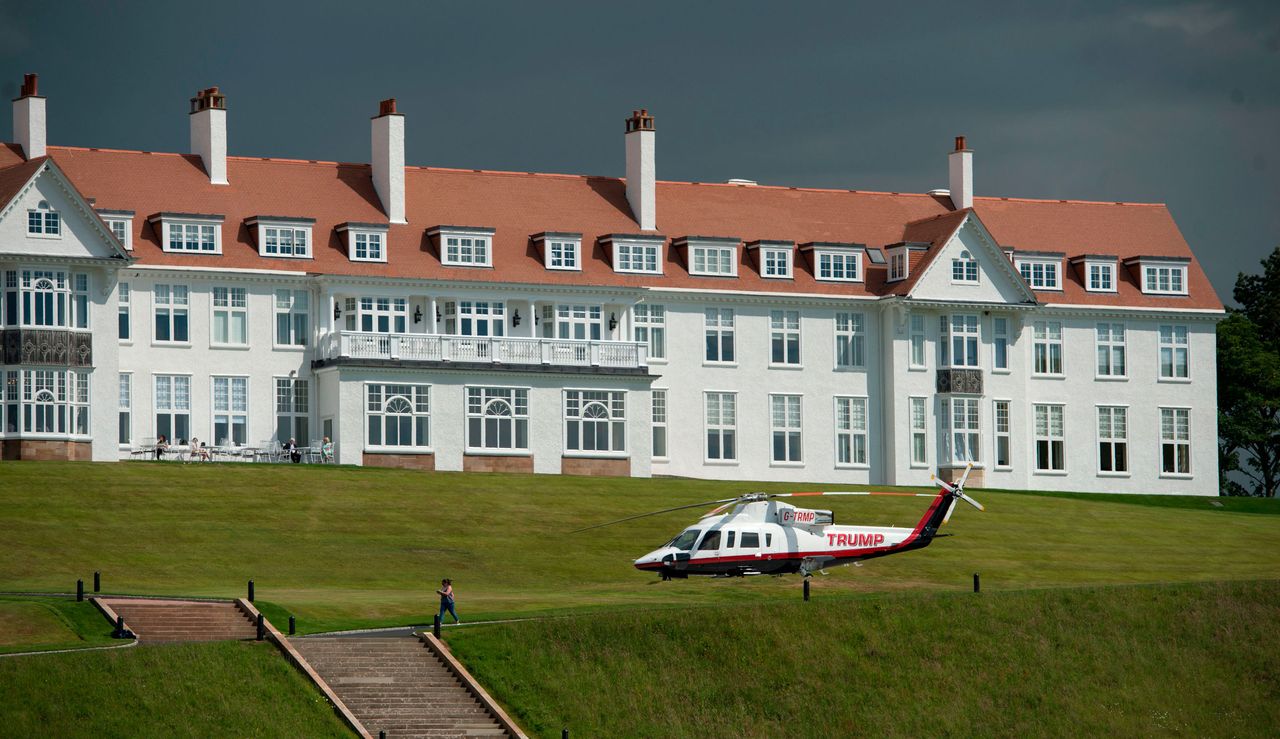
(209,133)
(29,119)
(961,165)
(388,160)
(640,170)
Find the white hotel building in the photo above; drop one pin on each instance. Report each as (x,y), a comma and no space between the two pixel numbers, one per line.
(473,320)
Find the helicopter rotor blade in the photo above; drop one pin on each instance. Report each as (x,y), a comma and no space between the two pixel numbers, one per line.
(654,513)
(965,477)
(951,507)
(851,492)
(972,502)
(942,484)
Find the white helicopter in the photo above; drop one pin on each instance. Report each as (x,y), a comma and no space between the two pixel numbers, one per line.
(756,534)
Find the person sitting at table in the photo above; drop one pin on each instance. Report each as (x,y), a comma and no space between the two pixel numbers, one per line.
(197,451)
(292,449)
(162,445)
(326,450)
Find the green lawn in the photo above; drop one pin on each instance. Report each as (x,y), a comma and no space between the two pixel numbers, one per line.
(1187,660)
(343,547)
(223,689)
(40,623)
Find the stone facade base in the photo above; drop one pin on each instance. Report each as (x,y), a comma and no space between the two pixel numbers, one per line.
(33,449)
(977,478)
(404,461)
(595,467)
(486,463)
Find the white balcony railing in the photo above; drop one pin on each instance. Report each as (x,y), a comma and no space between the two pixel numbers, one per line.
(494,350)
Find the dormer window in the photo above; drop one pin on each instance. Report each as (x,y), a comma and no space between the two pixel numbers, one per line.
(560,251)
(1167,279)
(464,246)
(1041,273)
(366,242)
(44,221)
(898,265)
(710,257)
(1102,276)
(283,237)
(836,262)
(121,224)
(775,259)
(189,233)
(636,254)
(964,269)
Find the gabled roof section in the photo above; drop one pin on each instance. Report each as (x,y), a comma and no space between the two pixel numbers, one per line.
(18,179)
(939,233)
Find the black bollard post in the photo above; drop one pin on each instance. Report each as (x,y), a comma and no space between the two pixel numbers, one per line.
(97,581)
(382,735)
(293,625)
(975,582)
(119,632)
(435,629)
(806,589)
(79,590)
(564,734)
(262,628)
(251,591)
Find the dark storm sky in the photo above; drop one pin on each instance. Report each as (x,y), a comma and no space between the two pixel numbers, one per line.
(1153,102)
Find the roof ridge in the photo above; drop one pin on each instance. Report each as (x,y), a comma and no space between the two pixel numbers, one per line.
(997,198)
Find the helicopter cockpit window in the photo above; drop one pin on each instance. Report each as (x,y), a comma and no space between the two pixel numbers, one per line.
(710,542)
(729,545)
(750,540)
(768,539)
(684,542)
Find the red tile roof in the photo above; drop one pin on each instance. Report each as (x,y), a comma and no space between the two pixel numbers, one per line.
(519,205)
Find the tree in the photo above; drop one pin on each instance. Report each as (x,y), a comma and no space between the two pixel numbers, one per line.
(1249,384)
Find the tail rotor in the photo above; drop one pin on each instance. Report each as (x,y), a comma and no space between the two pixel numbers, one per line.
(956,492)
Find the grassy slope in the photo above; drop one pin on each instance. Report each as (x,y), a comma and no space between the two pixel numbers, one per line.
(28,624)
(225,689)
(345,547)
(1199,660)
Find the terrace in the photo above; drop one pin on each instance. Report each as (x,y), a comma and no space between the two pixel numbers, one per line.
(355,347)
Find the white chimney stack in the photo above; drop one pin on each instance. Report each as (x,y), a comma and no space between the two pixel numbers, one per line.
(961,164)
(209,133)
(388,160)
(29,119)
(641,192)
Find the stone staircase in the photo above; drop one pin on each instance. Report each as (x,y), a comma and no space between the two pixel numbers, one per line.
(177,620)
(397,685)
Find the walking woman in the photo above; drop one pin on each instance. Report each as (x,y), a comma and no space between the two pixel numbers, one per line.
(446,600)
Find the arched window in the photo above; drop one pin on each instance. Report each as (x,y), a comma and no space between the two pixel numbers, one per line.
(595,421)
(497,418)
(398,416)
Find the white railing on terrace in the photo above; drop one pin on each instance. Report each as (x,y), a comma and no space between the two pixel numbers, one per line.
(495,350)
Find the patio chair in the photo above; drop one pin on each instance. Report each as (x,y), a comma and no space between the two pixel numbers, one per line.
(313,451)
(146,448)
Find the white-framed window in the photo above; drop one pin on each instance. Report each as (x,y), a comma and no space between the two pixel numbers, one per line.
(12,395)
(368,246)
(1051,438)
(718,261)
(1102,277)
(497,419)
(917,358)
(384,315)
(44,298)
(122,229)
(171,305)
(595,421)
(292,317)
(398,416)
(1175,441)
(722,426)
(785,429)
(80,300)
(1111,350)
(467,251)
(124,325)
(659,421)
(78,396)
(839,266)
(1003,452)
(124,434)
(960,422)
(719,335)
(1000,344)
(293,410)
(851,340)
(1040,275)
(650,327)
(173,407)
(53,402)
(44,221)
(1046,348)
(958,346)
(580,322)
(637,257)
(231,410)
(1166,279)
(851,432)
(898,265)
(286,241)
(563,253)
(230,316)
(784,337)
(193,237)
(964,268)
(776,263)
(918,408)
(1175,353)
(1113,439)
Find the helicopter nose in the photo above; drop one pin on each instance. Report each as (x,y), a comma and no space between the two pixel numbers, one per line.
(650,561)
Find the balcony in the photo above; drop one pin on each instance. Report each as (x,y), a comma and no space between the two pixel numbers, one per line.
(959,381)
(47,347)
(355,347)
